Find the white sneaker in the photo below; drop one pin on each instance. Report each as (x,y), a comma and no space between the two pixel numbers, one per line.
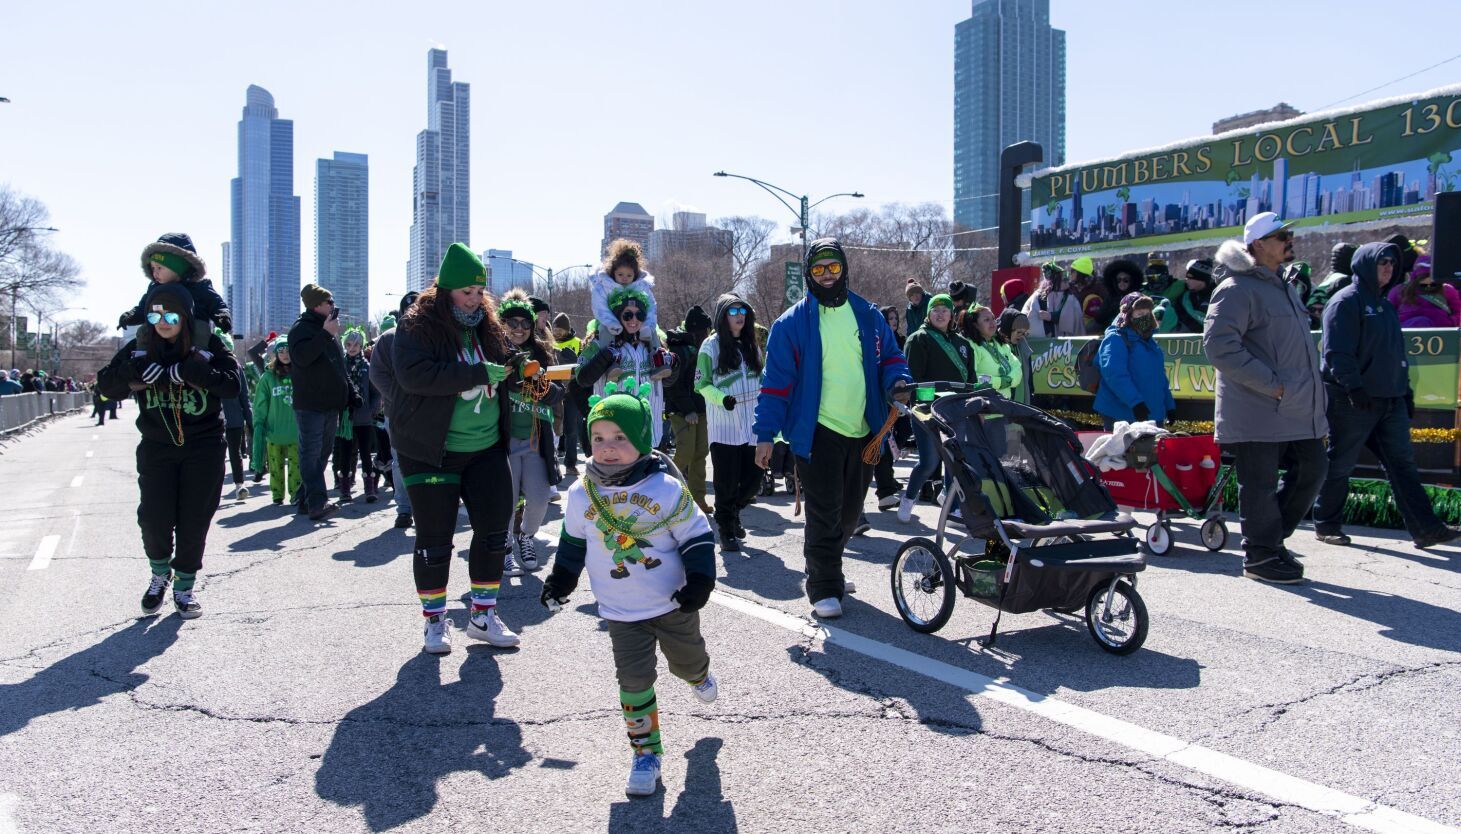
(905,509)
(241,493)
(438,636)
(489,628)
(849,587)
(707,690)
(643,775)
(510,567)
(555,497)
(828,609)
(527,552)
(888,502)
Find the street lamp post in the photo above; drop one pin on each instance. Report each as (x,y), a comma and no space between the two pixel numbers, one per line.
(548,273)
(804,210)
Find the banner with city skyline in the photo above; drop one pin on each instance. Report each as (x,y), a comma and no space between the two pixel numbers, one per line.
(1383,161)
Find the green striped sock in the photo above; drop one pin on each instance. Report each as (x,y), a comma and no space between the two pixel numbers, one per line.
(641,716)
(160,567)
(183,582)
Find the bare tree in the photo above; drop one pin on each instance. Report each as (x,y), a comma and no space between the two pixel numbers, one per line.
(747,244)
(32,273)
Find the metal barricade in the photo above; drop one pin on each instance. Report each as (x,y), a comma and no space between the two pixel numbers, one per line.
(19,411)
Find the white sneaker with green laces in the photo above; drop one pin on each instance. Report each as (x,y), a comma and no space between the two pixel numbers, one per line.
(643,775)
(489,628)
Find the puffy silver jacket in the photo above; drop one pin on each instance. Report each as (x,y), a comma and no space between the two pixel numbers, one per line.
(1257,336)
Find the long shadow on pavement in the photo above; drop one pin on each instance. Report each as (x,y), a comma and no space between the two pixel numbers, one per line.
(761,573)
(85,678)
(1046,659)
(1406,620)
(701,805)
(382,549)
(387,755)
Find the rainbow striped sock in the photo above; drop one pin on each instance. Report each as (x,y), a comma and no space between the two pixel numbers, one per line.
(484,595)
(433,603)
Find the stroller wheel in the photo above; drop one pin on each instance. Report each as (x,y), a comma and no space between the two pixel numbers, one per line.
(1116,617)
(923,585)
(1214,534)
(1158,539)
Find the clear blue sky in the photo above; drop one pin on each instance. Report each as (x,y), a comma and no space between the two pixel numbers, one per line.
(124,114)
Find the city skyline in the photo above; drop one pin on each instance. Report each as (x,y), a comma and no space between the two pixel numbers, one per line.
(441,181)
(262,277)
(540,188)
(342,232)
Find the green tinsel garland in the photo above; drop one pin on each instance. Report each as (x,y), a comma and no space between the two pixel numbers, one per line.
(1370,504)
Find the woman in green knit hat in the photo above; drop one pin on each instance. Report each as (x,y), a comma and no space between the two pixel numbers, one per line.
(451,429)
(630,353)
(936,353)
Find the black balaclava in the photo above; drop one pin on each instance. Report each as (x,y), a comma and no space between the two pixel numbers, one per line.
(820,249)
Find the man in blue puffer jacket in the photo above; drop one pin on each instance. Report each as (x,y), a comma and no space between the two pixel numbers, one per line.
(831,365)
(1133,368)
(1366,373)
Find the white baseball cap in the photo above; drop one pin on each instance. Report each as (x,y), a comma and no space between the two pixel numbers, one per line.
(1262,225)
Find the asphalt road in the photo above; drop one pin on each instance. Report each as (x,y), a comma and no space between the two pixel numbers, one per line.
(301,700)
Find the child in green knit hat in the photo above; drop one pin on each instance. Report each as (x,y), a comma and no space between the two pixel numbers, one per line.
(650,556)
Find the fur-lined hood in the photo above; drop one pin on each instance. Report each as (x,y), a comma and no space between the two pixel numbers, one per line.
(1113,268)
(171,244)
(1232,259)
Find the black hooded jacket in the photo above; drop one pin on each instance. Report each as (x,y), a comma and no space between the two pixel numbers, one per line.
(1363,346)
(166,409)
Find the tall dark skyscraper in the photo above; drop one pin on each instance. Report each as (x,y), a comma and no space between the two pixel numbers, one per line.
(441,180)
(342,232)
(1009,86)
(262,276)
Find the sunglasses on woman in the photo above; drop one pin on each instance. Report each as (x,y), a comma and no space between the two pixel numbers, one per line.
(517,324)
(834,268)
(628,315)
(737,311)
(156,318)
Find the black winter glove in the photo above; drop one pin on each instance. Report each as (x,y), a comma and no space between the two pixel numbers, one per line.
(1140,412)
(559,584)
(194,369)
(1410,403)
(696,592)
(1360,399)
(147,371)
(729,403)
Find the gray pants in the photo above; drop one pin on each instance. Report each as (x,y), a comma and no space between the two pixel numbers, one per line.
(678,636)
(529,480)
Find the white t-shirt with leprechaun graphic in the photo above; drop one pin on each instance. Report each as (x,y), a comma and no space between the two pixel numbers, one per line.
(634,574)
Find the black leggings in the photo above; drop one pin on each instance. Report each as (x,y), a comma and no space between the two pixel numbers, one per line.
(736,477)
(362,444)
(478,479)
(235,453)
(180,488)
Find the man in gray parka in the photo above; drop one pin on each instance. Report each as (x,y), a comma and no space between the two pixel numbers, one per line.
(1270,399)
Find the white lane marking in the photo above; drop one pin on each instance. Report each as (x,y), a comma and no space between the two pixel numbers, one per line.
(44,552)
(75,528)
(8,803)
(76,481)
(89,454)
(1354,810)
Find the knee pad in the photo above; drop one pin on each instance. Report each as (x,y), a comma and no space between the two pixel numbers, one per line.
(439,555)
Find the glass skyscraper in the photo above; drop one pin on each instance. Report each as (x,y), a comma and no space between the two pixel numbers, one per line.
(262,275)
(342,236)
(441,180)
(1009,86)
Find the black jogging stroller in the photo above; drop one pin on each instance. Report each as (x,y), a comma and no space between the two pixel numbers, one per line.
(1041,534)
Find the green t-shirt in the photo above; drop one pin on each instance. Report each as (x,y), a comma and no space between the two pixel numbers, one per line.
(474,422)
(521,417)
(843,408)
